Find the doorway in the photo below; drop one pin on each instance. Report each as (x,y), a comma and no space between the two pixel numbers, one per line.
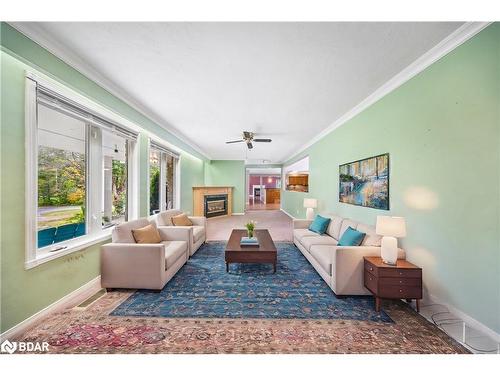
(263,189)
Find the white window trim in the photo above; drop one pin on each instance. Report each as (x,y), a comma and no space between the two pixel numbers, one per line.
(34,256)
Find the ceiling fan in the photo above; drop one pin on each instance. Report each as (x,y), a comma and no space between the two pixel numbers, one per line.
(248,137)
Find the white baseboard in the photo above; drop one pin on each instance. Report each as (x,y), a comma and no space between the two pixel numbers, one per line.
(238,213)
(282,210)
(470,321)
(70,300)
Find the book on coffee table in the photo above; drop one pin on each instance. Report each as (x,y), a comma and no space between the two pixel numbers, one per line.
(249,241)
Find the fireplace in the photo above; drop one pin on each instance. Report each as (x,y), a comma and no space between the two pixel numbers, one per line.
(215,205)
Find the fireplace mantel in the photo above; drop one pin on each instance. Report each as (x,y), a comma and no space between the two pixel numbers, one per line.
(199,193)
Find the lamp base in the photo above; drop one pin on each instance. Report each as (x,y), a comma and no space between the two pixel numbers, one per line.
(389,251)
(310,213)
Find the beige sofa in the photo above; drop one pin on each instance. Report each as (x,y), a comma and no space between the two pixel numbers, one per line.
(126,264)
(199,228)
(340,266)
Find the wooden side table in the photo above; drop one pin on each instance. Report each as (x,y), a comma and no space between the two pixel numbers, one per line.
(401,281)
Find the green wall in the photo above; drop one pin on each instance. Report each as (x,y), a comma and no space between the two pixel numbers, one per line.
(442,130)
(25,292)
(192,174)
(228,173)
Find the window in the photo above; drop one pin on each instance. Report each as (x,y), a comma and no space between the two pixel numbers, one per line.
(115,178)
(77,180)
(154,181)
(162,178)
(61,177)
(296,176)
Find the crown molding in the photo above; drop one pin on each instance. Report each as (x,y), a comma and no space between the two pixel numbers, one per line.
(448,44)
(452,41)
(41,37)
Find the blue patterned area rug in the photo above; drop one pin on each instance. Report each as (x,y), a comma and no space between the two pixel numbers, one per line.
(203,289)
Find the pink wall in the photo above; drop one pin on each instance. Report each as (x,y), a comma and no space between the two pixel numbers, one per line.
(255,180)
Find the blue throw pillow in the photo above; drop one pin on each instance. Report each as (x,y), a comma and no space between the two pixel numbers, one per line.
(351,237)
(320,224)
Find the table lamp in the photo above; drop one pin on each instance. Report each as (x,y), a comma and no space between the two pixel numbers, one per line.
(310,204)
(390,228)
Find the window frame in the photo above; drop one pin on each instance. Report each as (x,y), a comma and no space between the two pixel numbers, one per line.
(162,182)
(33,255)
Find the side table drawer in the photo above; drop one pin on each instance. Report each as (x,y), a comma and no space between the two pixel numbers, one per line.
(400,281)
(370,282)
(371,268)
(398,272)
(394,291)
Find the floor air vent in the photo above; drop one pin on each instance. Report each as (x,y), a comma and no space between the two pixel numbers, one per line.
(89,301)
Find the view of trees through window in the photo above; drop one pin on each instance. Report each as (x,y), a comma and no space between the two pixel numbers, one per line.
(62,177)
(161,162)
(154,181)
(114,150)
(170,182)
(61,187)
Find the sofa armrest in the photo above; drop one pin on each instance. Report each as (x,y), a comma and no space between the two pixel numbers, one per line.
(176,233)
(363,251)
(198,220)
(123,262)
(346,256)
(301,223)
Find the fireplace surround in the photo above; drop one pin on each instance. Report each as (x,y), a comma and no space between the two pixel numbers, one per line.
(199,201)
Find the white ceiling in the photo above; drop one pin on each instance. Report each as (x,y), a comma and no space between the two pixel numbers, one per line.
(207,82)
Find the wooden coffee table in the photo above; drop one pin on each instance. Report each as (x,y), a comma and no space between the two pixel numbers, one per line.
(264,253)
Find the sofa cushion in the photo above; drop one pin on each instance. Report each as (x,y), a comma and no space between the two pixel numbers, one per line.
(351,237)
(307,242)
(198,232)
(181,220)
(346,223)
(298,234)
(173,251)
(147,234)
(333,229)
(122,233)
(322,255)
(371,238)
(319,224)
(165,218)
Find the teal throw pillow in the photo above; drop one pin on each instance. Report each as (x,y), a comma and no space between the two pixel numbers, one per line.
(320,224)
(351,237)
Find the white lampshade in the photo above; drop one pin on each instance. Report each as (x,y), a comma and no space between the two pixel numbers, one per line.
(310,203)
(391,226)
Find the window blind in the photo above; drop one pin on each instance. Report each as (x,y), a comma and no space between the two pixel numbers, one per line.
(159,147)
(58,102)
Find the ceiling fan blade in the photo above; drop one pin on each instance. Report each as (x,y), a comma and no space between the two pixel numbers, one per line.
(249,145)
(241,140)
(262,140)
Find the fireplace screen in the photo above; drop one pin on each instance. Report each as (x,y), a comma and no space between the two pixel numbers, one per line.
(215,205)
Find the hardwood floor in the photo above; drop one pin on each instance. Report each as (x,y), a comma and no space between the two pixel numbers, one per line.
(257,205)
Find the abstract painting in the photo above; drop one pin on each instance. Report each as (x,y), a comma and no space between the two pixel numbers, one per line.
(365,182)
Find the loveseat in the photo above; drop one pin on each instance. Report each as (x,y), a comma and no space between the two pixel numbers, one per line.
(198,229)
(340,266)
(127,264)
